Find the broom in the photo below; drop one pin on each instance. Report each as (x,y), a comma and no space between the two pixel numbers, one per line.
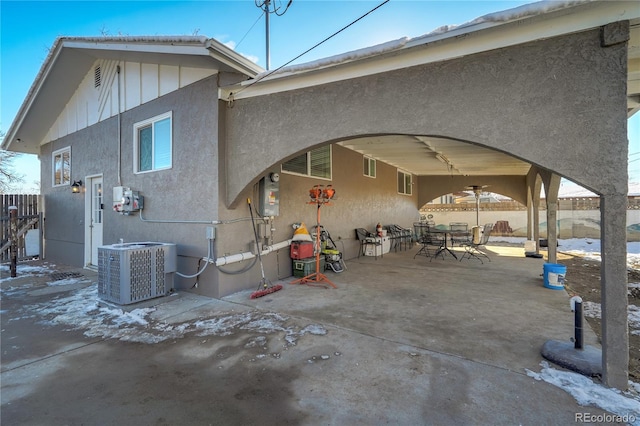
(265,287)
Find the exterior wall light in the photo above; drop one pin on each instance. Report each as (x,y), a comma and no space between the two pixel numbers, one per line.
(76,186)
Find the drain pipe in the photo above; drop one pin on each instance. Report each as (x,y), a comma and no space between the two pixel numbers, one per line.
(119,130)
(235,258)
(576,307)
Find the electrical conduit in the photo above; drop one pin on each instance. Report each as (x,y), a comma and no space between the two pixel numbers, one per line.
(235,258)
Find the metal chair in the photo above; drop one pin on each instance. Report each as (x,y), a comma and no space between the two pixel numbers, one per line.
(431,243)
(394,236)
(472,249)
(406,236)
(401,237)
(459,239)
(367,239)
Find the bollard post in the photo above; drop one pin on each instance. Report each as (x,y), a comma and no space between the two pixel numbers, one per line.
(13,236)
(578,332)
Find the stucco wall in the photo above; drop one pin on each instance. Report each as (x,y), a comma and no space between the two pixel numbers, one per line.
(360,202)
(93,151)
(187,191)
(552,102)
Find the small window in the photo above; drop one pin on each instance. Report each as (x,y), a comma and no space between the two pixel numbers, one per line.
(61,166)
(314,163)
(153,144)
(369,167)
(405,182)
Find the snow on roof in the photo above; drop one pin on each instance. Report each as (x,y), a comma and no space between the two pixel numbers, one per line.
(520,12)
(524,11)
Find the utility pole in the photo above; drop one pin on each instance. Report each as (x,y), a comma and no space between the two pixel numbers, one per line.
(266,37)
(269,6)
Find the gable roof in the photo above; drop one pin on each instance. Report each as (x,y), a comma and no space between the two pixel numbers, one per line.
(71,58)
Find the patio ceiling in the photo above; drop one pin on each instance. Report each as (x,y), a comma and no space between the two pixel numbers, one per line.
(423,155)
(434,156)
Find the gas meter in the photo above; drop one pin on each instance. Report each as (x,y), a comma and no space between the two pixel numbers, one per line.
(126,201)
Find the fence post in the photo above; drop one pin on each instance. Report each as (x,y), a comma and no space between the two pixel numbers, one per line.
(13,235)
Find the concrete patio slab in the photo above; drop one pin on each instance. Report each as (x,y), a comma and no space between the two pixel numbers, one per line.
(401,341)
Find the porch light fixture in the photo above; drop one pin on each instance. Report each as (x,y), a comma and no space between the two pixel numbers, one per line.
(75,187)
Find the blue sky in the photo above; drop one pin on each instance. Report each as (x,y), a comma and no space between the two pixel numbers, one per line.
(29,28)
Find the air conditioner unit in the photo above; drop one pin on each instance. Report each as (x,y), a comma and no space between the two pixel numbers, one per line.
(133,272)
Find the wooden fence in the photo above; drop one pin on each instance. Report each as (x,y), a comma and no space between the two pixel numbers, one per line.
(29,226)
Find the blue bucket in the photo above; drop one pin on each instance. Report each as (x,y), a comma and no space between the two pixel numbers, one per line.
(554,275)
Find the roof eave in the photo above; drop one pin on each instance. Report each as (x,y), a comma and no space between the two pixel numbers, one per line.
(207,52)
(478,36)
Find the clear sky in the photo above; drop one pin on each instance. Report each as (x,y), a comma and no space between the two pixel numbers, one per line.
(28,30)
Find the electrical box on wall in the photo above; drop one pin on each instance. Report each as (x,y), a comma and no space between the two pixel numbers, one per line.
(126,201)
(269,195)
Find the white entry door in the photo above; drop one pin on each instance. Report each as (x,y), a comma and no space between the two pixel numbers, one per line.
(95,225)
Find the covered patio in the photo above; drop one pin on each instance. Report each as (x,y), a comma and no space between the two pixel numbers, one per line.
(497,313)
(401,340)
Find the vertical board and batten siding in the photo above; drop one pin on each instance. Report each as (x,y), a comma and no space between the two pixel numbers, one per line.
(140,83)
(28,209)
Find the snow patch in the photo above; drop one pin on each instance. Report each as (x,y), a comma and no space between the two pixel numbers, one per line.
(588,393)
(82,310)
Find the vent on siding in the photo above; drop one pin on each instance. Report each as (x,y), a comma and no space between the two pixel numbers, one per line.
(97,77)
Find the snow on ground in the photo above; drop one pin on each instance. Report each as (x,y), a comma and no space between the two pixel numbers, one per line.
(589,248)
(594,310)
(81,310)
(25,269)
(624,406)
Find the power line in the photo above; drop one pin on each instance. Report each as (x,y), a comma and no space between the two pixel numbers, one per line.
(247,33)
(316,45)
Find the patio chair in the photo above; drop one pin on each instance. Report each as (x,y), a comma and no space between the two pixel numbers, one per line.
(459,239)
(406,237)
(368,239)
(401,237)
(393,235)
(472,249)
(432,244)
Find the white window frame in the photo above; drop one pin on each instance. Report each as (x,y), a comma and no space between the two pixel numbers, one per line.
(366,166)
(308,173)
(407,187)
(136,143)
(60,153)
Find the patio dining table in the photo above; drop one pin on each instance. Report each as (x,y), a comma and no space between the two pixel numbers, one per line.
(447,233)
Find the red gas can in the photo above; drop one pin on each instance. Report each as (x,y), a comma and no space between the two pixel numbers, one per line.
(301,249)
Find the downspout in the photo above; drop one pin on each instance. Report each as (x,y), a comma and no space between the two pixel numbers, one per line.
(119,131)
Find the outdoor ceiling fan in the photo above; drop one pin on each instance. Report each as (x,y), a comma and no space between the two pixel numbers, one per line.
(477,190)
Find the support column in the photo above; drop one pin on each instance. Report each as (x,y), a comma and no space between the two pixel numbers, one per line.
(613,273)
(536,222)
(552,231)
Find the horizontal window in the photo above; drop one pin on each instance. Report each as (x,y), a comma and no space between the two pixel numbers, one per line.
(314,163)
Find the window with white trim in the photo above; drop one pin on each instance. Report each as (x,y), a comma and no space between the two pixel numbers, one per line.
(152,147)
(369,166)
(61,167)
(314,163)
(405,182)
